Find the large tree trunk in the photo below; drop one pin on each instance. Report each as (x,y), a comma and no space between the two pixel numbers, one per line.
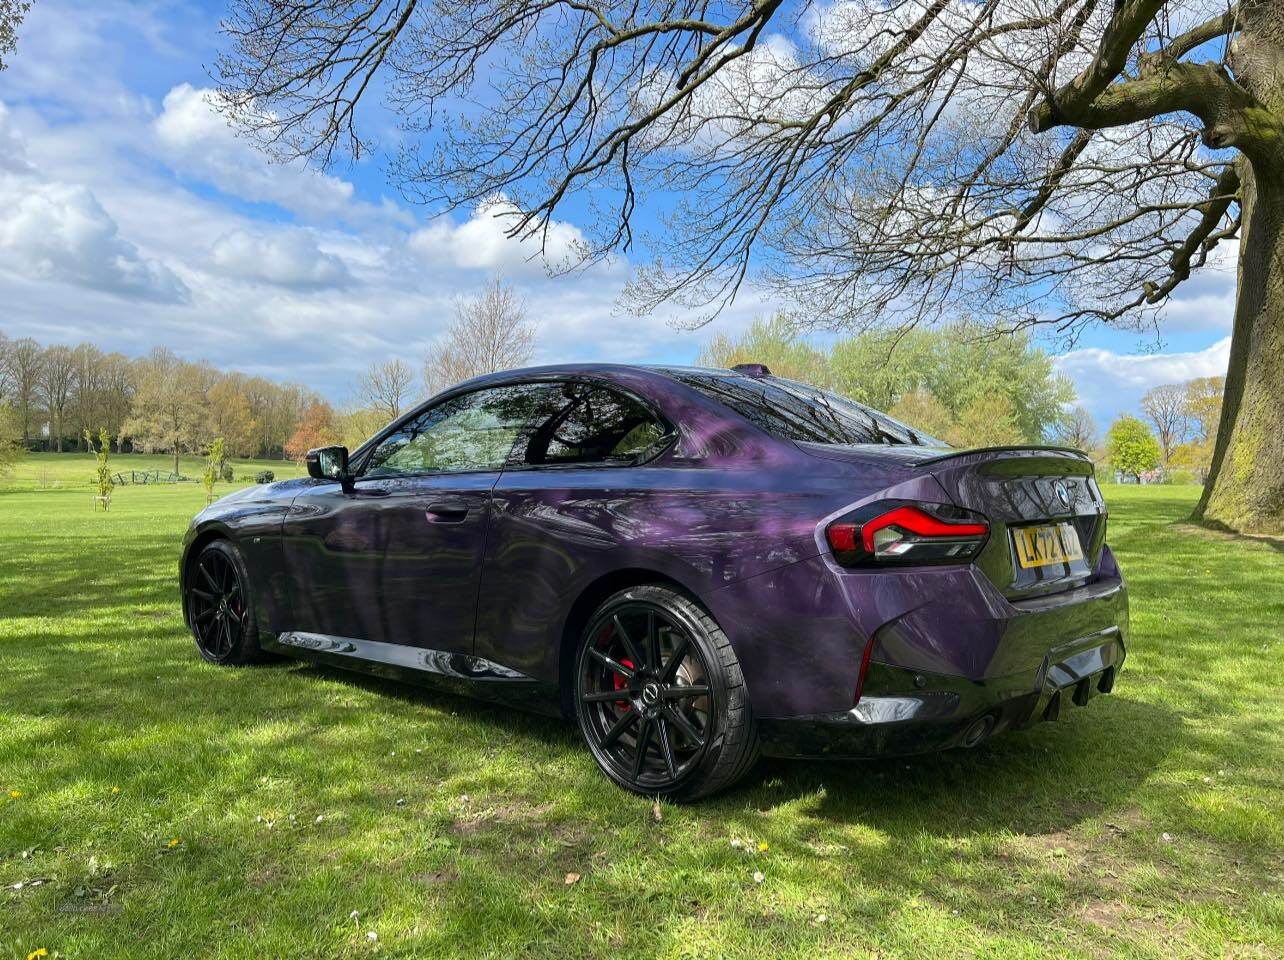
(1245,489)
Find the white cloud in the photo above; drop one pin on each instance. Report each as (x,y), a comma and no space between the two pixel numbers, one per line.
(117,198)
(1206,301)
(59,231)
(197,141)
(13,152)
(1110,383)
(286,258)
(481,243)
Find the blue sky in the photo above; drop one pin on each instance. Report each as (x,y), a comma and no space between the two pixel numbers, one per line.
(131,217)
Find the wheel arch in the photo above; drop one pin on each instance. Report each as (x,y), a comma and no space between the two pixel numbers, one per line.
(589,599)
(199,542)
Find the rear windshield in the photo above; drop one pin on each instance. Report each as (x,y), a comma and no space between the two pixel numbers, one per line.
(796,411)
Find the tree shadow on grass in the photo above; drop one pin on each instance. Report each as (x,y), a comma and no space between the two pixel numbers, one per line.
(1212,530)
(500,805)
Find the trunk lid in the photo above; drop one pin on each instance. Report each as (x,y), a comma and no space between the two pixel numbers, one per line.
(1030,495)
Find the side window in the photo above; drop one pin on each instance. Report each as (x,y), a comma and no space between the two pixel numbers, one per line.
(593,424)
(471,432)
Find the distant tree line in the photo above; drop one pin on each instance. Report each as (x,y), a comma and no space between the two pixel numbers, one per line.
(1175,435)
(159,403)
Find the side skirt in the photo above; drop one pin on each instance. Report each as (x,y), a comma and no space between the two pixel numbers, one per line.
(457,673)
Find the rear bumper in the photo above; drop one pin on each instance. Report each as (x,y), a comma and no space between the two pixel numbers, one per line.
(801,632)
(904,711)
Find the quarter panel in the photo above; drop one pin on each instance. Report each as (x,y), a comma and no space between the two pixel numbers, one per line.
(554,532)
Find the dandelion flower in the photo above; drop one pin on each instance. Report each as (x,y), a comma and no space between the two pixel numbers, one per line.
(37,954)
(763,847)
(14,795)
(174,843)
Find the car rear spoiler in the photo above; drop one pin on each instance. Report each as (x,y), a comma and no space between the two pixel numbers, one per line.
(1017,448)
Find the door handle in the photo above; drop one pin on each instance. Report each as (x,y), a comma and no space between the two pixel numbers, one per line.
(446,511)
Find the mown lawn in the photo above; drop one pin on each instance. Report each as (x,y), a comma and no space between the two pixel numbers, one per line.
(154,806)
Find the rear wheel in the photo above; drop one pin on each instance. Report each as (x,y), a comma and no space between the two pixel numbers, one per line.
(219,607)
(660,698)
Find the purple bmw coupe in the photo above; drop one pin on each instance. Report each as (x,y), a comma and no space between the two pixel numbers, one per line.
(700,566)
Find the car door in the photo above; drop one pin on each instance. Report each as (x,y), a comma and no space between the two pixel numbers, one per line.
(397,560)
(574,489)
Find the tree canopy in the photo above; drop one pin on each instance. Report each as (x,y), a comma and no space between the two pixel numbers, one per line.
(11,448)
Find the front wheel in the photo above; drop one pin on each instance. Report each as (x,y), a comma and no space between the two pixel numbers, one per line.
(219,607)
(660,698)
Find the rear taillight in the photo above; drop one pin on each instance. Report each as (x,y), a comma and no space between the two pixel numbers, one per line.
(907,533)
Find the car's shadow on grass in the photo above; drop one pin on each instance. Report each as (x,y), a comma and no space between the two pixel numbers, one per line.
(1036,781)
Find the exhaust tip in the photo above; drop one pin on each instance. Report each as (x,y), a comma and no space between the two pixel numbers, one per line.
(978,731)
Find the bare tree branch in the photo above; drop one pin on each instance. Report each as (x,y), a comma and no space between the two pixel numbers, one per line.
(895,161)
(1222,25)
(387,387)
(490,333)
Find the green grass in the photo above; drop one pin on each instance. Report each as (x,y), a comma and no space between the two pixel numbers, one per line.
(52,471)
(1150,824)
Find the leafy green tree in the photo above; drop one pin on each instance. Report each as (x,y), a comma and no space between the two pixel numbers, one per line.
(1203,405)
(951,382)
(102,475)
(11,14)
(1132,448)
(988,420)
(11,447)
(772,341)
(922,411)
(959,367)
(228,415)
(214,465)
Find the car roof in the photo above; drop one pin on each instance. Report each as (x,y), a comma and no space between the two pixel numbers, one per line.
(666,371)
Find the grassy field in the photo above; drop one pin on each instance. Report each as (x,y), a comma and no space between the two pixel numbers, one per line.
(154,806)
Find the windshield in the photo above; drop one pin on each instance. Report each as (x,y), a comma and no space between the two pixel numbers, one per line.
(797,411)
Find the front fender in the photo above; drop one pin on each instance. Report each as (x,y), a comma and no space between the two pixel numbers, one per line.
(252,519)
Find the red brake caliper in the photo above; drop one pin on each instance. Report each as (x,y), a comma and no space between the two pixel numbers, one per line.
(622,684)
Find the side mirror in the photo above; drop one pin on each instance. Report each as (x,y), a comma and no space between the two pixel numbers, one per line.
(330,463)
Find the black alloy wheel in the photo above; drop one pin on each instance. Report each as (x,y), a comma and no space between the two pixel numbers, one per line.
(218,607)
(652,695)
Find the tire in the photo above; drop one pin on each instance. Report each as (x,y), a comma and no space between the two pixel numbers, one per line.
(220,607)
(654,668)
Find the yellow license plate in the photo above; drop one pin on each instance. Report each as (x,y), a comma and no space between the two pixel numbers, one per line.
(1041,546)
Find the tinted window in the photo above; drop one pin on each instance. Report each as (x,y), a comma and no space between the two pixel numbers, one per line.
(797,411)
(592,424)
(473,431)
